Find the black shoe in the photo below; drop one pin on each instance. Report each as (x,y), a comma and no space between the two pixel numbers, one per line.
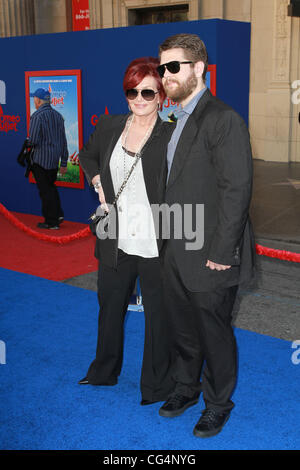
(149,402)
(48,226)
(60,220)
(210,423)
(84,381)
(176,404)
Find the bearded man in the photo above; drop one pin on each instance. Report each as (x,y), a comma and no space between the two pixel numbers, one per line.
(209,164)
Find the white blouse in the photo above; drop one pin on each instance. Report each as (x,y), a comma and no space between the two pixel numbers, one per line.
(136,225)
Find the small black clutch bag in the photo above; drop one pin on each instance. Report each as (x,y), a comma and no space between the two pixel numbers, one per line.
(25,157)
(99,223)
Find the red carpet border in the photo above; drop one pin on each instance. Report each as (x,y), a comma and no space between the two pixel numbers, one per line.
(72,254)
(68,251)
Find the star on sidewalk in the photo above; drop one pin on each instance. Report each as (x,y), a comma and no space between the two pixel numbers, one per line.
(289,182)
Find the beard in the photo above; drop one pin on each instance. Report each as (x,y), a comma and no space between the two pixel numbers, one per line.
(183,90)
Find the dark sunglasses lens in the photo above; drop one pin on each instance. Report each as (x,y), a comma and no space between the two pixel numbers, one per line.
(173,67)
(161,70)
(148,95)
(131,94)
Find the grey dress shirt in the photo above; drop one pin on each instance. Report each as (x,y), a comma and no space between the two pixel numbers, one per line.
(182,116)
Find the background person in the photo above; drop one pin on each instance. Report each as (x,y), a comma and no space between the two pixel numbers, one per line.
(209,163)
(47,135)
(106,160)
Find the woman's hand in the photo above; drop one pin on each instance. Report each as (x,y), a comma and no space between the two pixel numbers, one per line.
(99,189)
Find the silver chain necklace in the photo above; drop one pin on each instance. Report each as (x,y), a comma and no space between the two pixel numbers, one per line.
(137,156)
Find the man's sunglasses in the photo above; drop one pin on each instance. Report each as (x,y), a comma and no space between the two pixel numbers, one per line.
(148,95)
(172,67)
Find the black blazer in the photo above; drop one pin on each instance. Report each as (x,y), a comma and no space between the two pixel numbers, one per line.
(213,166)
(95,158)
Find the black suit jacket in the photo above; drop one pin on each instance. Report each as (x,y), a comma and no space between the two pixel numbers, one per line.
(95,159)
(212,166)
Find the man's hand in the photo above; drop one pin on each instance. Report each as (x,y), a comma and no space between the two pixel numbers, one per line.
(63,170)
(218,267)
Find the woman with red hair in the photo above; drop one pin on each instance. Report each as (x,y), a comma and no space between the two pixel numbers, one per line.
(118,142)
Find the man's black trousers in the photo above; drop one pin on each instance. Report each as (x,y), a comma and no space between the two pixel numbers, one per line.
(203,341)
(51,206)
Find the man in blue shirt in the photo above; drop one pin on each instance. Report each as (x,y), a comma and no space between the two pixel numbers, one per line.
(47,135)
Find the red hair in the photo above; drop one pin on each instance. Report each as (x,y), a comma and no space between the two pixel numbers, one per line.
(140,68)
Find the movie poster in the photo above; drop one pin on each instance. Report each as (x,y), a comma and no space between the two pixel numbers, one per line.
(65,89)
(168,113)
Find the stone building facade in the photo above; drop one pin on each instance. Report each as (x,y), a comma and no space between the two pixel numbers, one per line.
(274,101)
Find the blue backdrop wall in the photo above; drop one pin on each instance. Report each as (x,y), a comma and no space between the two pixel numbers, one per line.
(102,56)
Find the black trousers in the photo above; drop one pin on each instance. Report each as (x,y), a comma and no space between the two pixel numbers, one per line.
(114,291)
(45,181)
(203,342)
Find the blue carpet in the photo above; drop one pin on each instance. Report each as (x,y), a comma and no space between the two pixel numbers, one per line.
(49,330)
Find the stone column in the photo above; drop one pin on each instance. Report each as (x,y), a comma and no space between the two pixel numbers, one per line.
(102,13)
(237,10)
(209,9)
(274,50)
(295,92)
(50,16)
(95,14)
(16,17)
(278,99)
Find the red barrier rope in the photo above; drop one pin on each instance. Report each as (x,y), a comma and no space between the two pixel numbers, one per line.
(41,236)
(280,254)
(260,250)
